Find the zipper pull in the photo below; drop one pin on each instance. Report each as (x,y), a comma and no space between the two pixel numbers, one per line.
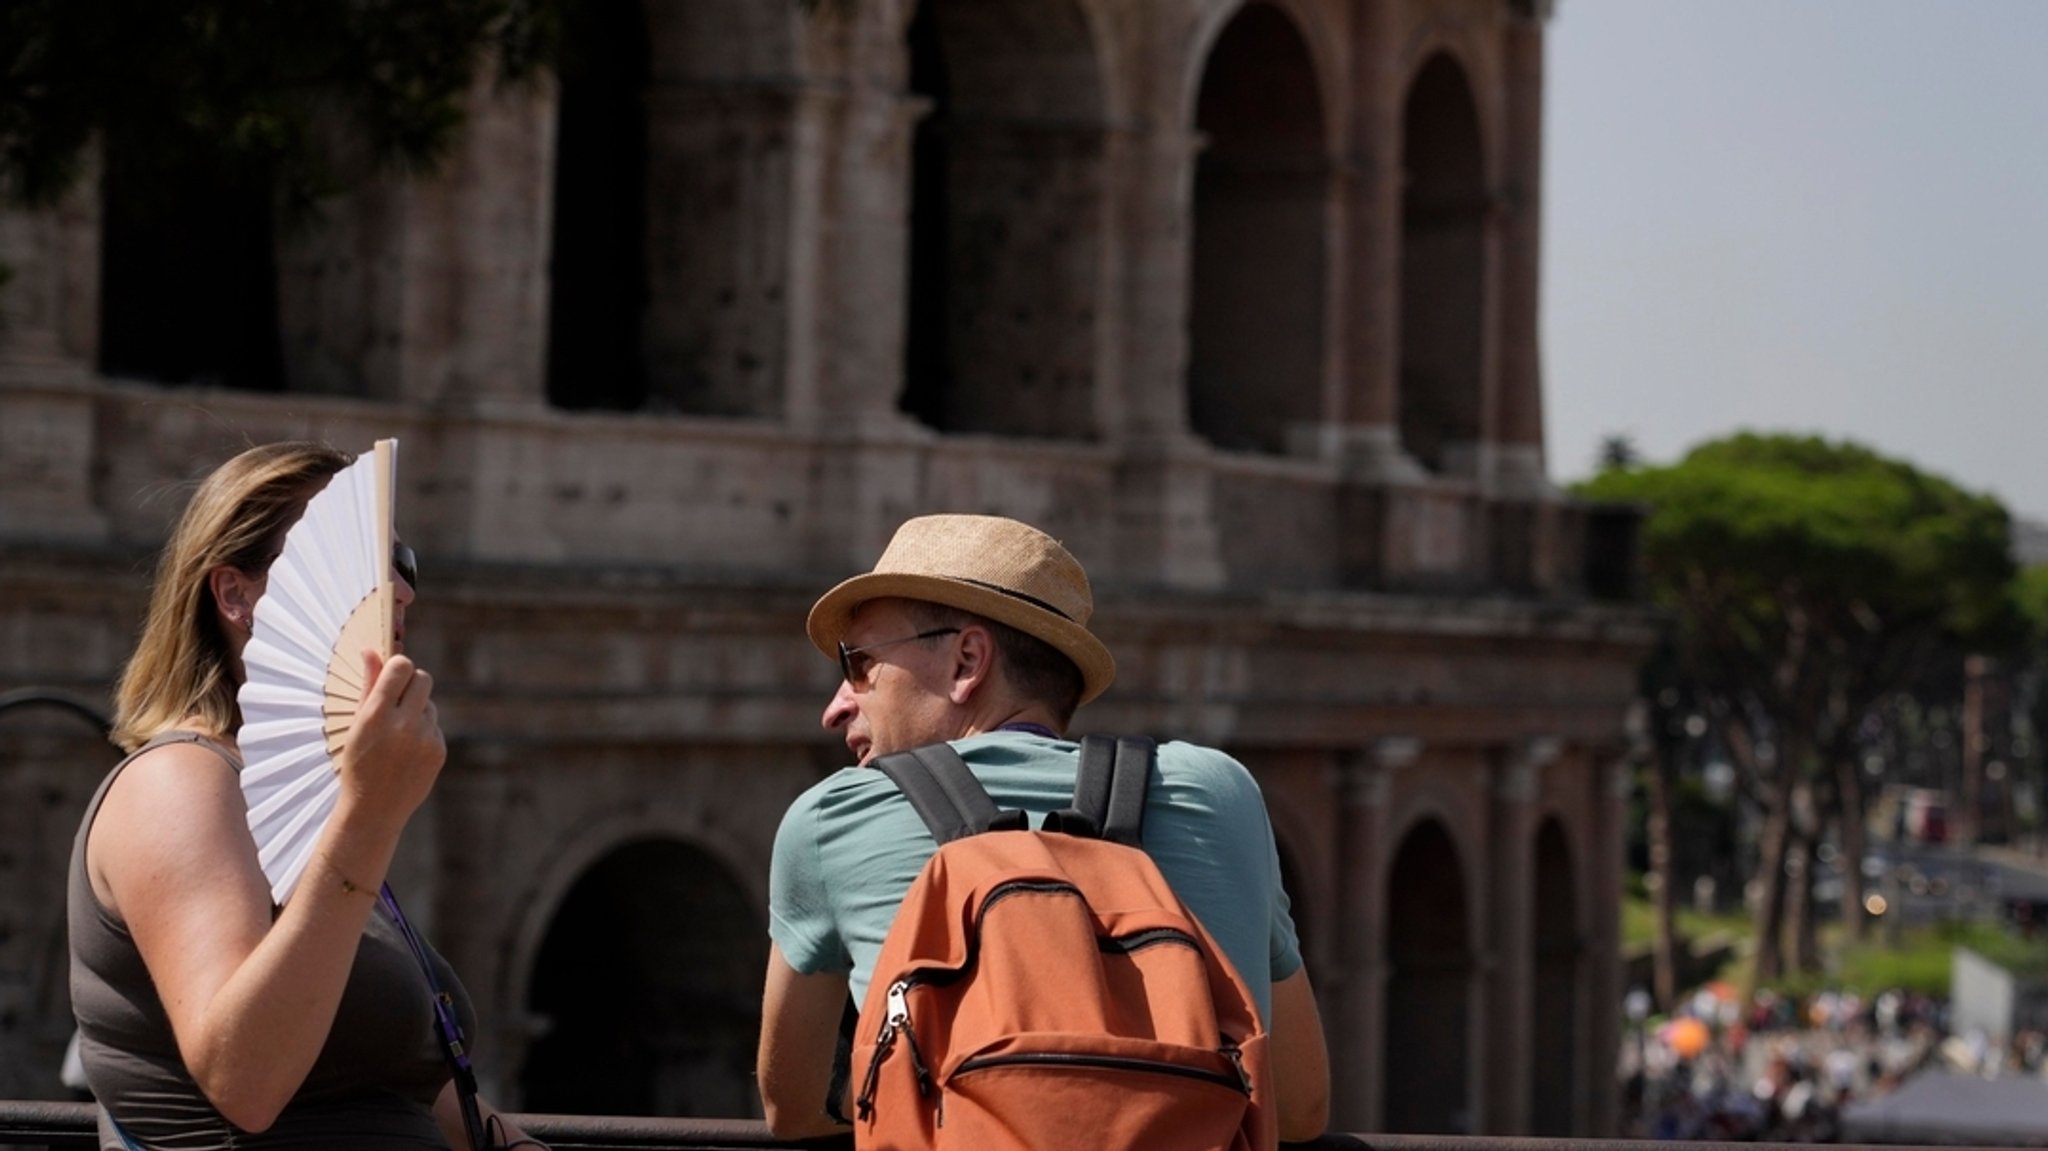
(1236,1058)
(899,1020)
(896,1014)
(864,1103)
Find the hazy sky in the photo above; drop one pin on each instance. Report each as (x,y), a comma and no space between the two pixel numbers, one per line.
(1816,215)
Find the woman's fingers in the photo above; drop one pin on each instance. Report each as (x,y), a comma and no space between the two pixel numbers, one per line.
(396,748)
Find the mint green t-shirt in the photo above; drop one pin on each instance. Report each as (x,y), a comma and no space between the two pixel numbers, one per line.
(849,848)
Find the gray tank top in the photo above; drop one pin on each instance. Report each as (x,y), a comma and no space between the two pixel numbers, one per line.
(373,1085)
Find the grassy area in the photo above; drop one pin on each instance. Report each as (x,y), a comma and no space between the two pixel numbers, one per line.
(1919,961)
(1639,923)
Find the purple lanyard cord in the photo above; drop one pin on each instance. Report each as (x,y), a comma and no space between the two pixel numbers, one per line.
(452,1044)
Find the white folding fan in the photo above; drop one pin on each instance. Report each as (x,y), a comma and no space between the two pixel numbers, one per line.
(329,599)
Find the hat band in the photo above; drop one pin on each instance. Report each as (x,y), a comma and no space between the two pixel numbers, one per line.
(1034,601)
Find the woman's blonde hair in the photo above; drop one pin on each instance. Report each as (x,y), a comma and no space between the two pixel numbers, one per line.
(183,666)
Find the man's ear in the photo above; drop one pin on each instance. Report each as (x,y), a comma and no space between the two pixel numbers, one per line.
(974,662)
(234,595)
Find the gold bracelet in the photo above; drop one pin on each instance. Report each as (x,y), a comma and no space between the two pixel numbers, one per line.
(351,887)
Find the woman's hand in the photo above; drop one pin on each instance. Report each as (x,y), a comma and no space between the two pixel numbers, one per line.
(395,750)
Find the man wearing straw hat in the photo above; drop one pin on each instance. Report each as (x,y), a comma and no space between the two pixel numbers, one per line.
(974,630)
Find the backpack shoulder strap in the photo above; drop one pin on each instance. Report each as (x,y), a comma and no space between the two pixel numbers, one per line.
(945,793)
(1109,790)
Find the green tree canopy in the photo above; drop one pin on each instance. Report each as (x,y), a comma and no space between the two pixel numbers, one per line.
(1757,538)
(244,87)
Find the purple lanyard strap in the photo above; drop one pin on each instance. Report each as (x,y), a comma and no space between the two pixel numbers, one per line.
(452,1044)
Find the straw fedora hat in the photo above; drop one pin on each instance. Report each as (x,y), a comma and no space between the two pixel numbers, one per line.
(994,567)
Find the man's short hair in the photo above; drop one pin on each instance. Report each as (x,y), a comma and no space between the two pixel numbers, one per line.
(1033,667)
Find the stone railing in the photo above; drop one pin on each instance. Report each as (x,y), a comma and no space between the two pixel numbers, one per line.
(70,1127)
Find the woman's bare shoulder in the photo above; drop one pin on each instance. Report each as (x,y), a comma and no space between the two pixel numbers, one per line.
(169,804)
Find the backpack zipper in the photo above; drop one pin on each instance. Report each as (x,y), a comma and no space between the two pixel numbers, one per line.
(895,1021)
(1139,940)
(1003,891)
(1241,1082)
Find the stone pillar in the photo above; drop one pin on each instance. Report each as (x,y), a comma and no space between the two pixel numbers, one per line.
(1365,433)
(1519,413)
(1122,166)
(1166,522)
(1511,900)
(863,235)
(1610,782)
(499,207)
(719,199)
(49,336)
(1357,1028)
(434,291)
(1157,226)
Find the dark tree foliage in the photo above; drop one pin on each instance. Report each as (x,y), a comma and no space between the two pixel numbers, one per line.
(1617,453)
(251,90)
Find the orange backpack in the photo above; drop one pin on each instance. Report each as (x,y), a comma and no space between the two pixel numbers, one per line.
(1046,989)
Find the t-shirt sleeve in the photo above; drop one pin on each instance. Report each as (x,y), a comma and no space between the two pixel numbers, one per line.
(800,917)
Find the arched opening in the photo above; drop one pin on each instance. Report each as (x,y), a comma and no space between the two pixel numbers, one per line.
(1429,988)
(1554,1026)
(188,266)
(1007,204)
(53,754)
(1443,270)
(927,351)
(597,273)
(1256,293)
(648,986)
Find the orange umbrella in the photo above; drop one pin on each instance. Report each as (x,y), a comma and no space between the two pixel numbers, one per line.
(1687,1037)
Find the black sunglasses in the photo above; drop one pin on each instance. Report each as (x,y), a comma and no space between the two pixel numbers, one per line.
(406,563)
(855,663)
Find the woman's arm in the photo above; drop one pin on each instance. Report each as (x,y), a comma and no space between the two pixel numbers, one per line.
(250,1000)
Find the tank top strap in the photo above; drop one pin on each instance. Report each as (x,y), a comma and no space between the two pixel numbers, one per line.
(165,739)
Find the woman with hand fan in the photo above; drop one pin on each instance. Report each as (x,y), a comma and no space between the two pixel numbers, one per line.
(209,1014)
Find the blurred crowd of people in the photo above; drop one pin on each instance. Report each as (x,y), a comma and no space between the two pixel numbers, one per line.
(1771,1068)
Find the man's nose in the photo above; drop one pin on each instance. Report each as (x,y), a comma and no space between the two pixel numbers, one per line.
(842,708)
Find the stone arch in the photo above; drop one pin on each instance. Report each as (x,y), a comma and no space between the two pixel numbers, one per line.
(1008,210)
(1556,990)
(1444,269)
(675,167)
(1318,35)
(574,854)
(648,986)
(1258,265)
(1428,1002)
